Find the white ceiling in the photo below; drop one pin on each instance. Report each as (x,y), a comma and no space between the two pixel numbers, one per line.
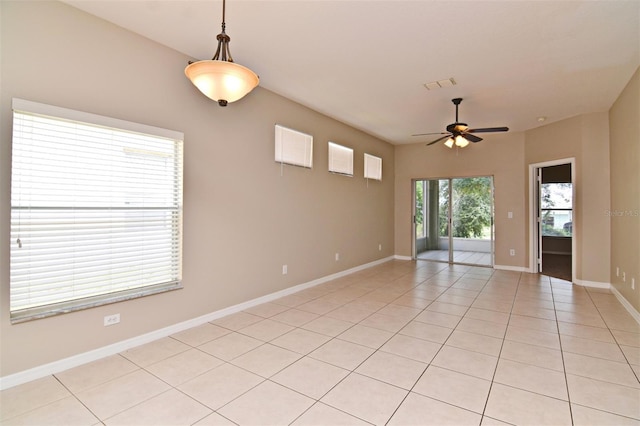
(365,62)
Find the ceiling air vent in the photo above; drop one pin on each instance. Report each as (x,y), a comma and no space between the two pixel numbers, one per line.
(440,84)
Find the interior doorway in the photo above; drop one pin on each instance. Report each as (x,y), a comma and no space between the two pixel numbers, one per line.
(453,220)
(553,240)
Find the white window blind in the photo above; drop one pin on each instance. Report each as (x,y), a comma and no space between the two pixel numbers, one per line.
(340,159)
(293,147)
(372,167)
(96,210)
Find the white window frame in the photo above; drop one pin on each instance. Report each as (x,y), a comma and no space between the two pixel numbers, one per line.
(293,147)
(96,207)
(340,159)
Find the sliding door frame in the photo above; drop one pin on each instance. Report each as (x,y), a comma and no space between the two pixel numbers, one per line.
(414,251)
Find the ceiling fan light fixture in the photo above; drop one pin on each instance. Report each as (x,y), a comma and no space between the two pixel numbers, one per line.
(219,78)
(449,143)
(461,141)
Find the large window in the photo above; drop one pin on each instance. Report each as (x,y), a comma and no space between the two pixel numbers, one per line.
(96,210)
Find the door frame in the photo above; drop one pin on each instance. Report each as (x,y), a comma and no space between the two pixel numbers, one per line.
(534,201)
(414,251)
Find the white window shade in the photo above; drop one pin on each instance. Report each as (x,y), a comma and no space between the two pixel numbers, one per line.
(340,159)
(372,167)
(293,147)
(96,210)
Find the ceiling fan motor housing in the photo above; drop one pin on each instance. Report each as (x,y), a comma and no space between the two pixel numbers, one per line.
(457,128)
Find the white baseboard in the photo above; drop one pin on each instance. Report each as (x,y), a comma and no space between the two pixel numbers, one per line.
(398,257)
(624,302)
(511,268)
(115,348)
(594,284)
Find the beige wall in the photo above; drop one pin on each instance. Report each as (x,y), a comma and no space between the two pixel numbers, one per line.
(500,156)
(625,190)
(242,219)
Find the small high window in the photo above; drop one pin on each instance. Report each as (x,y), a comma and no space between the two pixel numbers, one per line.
(340,159)
(372,167)
(293,147)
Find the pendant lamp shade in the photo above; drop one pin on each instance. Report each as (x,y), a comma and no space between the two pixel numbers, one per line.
(222,81)
(220,78)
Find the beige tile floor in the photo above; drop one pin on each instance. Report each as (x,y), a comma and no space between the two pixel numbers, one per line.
(402,343)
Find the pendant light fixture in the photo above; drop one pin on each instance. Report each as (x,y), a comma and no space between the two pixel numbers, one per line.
(220,78)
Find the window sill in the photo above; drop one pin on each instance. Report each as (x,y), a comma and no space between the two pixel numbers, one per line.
(40,312)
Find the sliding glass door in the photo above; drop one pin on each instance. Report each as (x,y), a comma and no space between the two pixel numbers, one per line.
(453,220)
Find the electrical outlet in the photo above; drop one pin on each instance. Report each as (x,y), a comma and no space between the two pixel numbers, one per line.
(337,256)
(284,269)
(510,215)
(111,319)
(379,247)
(512,252)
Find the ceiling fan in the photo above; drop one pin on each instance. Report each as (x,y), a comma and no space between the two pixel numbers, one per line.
(460,134)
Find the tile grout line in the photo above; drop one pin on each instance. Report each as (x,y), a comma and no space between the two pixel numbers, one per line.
(76,398)
(515,294)
(564,367)
(428,364)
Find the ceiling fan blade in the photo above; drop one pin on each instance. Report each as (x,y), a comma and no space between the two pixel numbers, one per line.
(489,130)
(471,138)
(439,139)
(426,134)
